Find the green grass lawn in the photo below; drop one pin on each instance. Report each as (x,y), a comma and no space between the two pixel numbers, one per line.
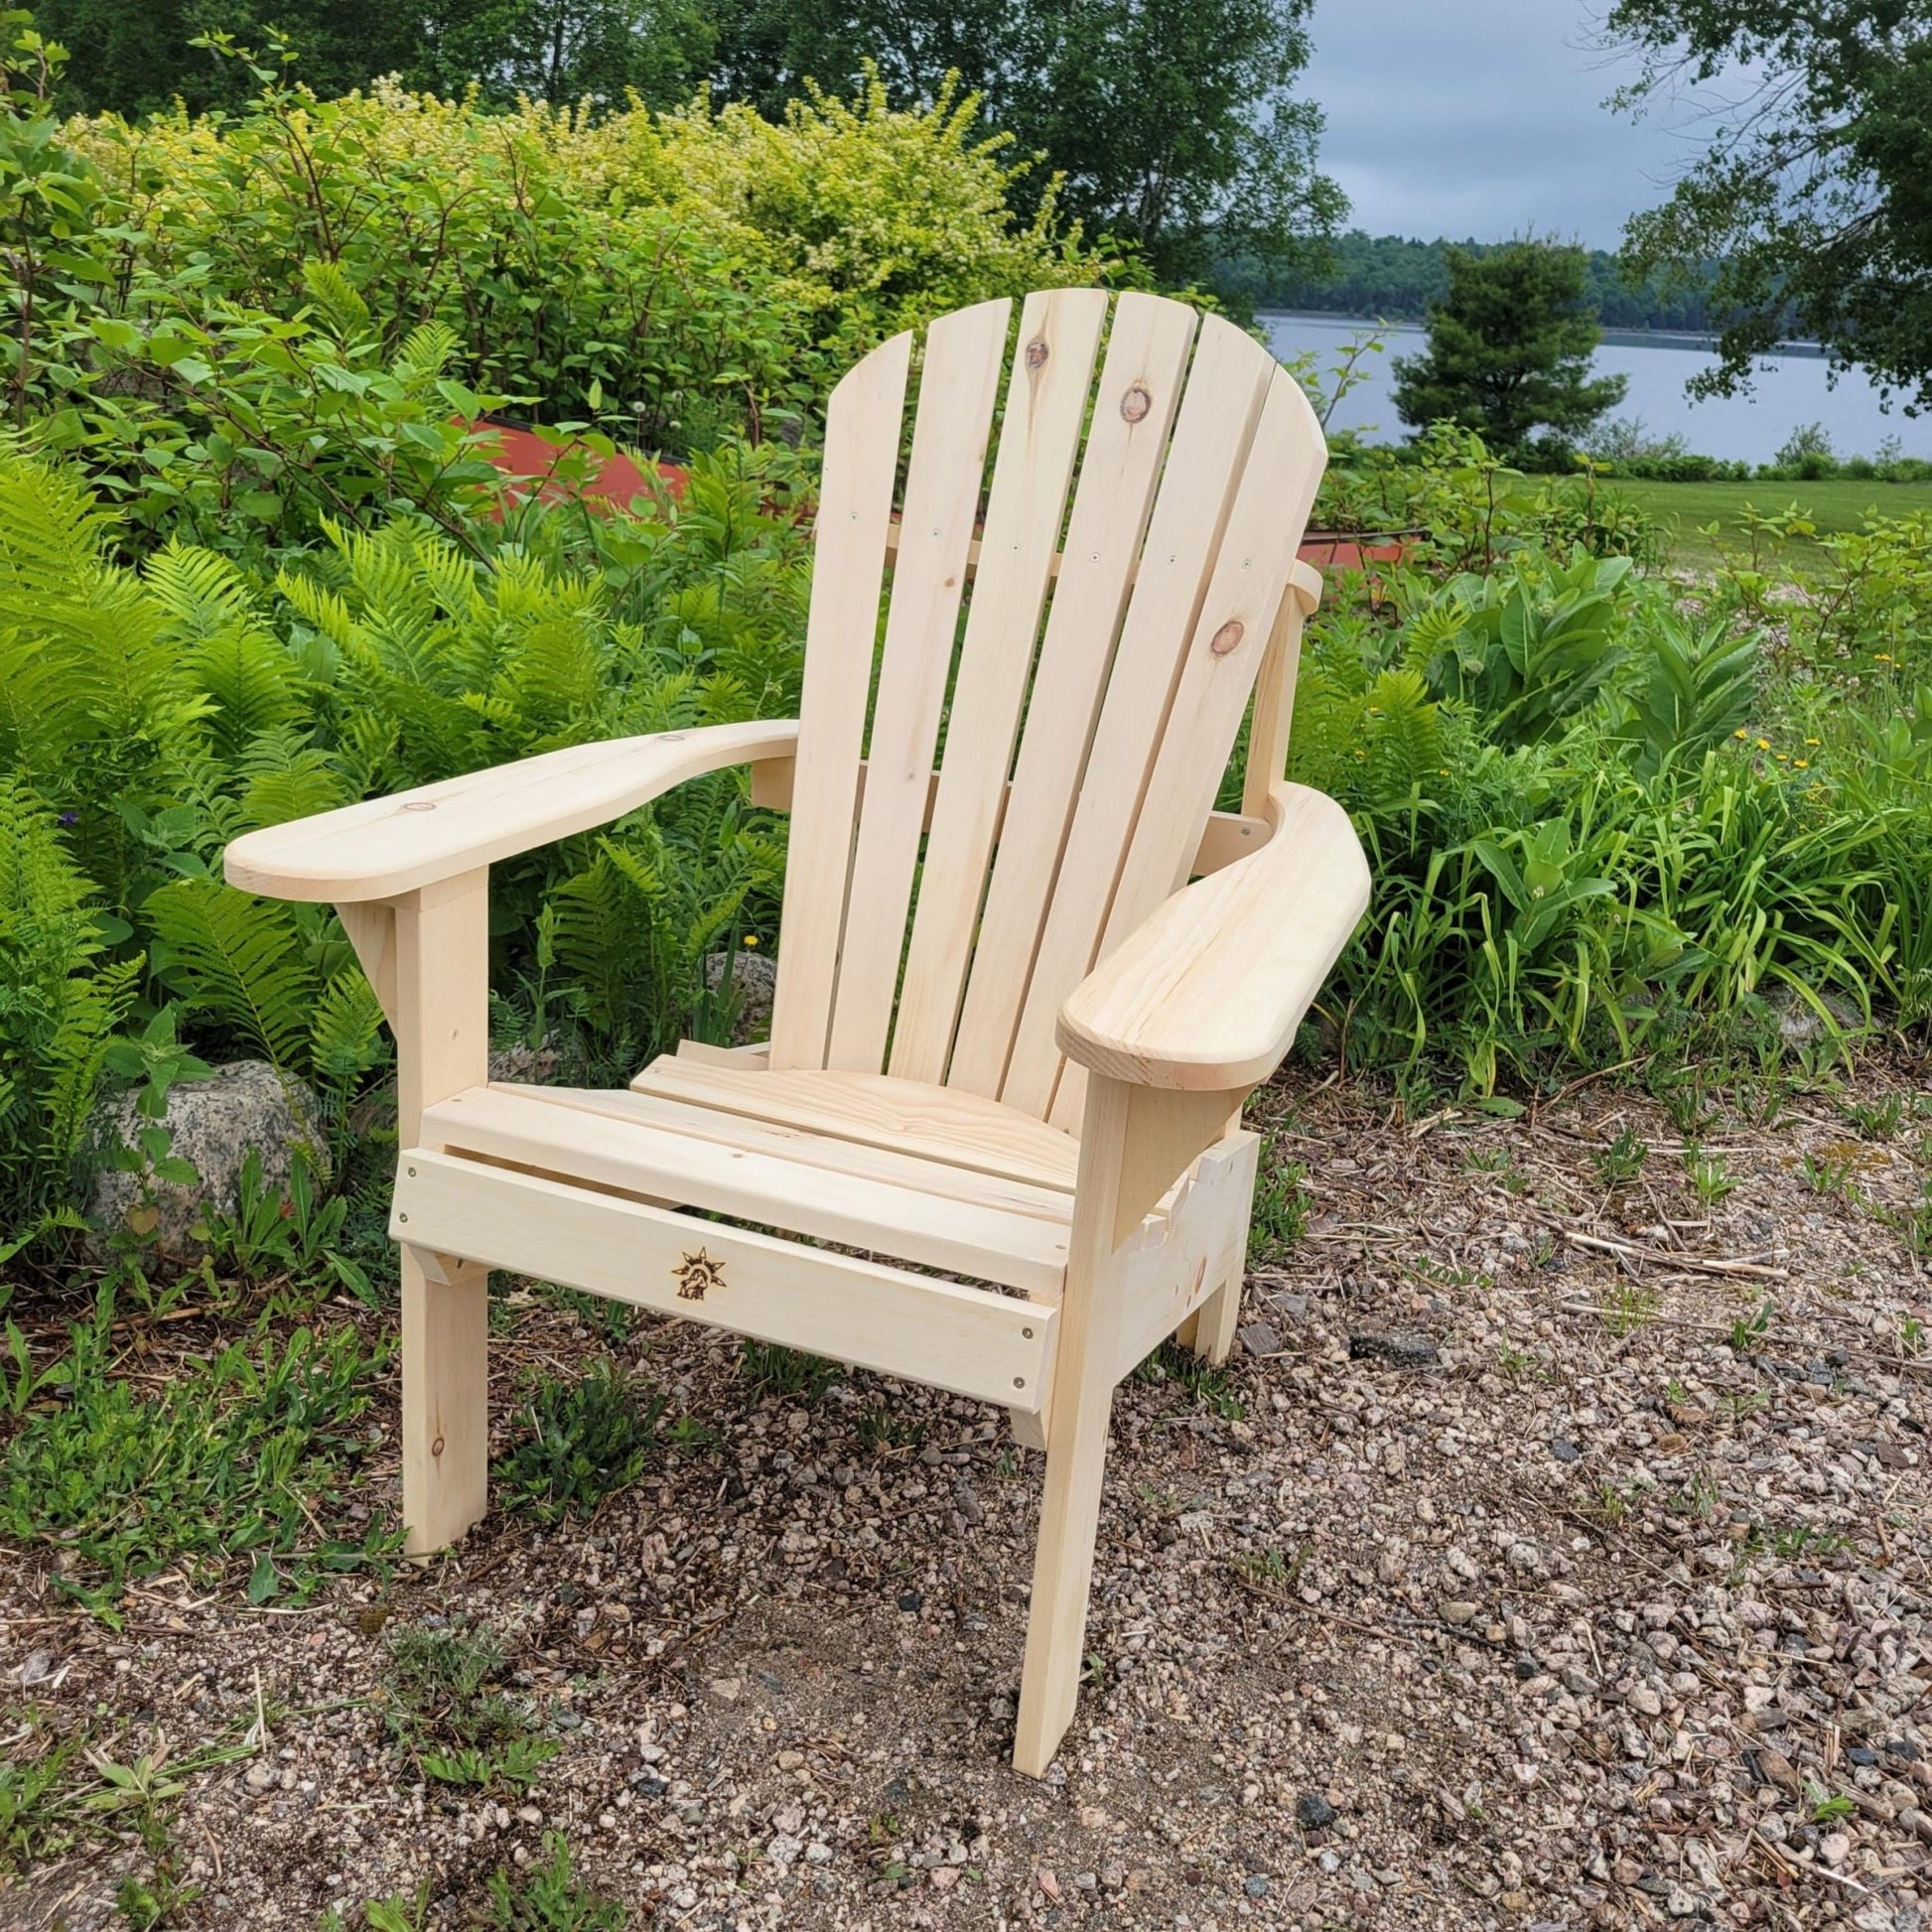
(1685,509)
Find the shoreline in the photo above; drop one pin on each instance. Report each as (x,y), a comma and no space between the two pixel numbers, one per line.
(1673,339)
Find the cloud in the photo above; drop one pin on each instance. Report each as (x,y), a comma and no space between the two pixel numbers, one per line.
(1484,118)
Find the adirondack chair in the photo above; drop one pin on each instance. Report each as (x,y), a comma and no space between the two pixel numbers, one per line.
(1011,1041)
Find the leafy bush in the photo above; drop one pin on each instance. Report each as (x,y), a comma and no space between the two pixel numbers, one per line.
(204,287)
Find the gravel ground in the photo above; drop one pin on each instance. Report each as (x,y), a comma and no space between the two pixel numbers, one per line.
(1552,1554)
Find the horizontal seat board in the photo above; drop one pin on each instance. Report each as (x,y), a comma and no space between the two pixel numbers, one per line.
(971,1341)
(504,1124)
(938,1123)
(920,1173)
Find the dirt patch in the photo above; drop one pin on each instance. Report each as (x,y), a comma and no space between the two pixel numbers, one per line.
(1554,1554)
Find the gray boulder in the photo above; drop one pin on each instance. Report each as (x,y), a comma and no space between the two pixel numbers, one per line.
(756,976)
(214,1124)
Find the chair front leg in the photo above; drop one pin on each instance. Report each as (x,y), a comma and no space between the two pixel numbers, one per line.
(1076,1437)
(432,966)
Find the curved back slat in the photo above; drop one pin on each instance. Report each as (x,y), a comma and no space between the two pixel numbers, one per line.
(958,385)
(863,420)
(1210,441)
(1039,435)
(1194,479)
(1132,413)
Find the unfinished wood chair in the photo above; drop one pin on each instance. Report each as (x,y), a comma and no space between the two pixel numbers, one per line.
(1011,1041)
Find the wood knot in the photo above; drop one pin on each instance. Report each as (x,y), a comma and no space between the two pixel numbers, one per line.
(420,805)
(1136,404)
(1225,639)
(1038,353)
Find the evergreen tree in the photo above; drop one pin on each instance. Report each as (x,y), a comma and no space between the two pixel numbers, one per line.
(1509,348)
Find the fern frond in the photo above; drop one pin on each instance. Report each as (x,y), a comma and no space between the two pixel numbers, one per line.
(238,958)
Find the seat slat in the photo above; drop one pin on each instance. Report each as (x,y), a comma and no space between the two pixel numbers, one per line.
(1218,411)
(862,440)
(957,389)
(937,1123)
(1134,410)
(1039,433)
(656,1165)
(810,1148)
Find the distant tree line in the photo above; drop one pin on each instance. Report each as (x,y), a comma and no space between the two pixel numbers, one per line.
(1391,277)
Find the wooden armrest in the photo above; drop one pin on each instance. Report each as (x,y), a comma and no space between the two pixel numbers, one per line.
(1207,995)
(387,846)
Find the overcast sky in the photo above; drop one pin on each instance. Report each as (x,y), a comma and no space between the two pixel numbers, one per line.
(1480,118)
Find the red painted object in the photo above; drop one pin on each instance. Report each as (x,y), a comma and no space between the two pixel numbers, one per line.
(533,462)
(1328,552)
(614,481)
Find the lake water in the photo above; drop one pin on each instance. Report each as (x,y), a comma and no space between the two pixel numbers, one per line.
(1788,392)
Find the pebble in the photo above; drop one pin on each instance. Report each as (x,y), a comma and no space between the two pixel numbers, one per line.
(1313,1812)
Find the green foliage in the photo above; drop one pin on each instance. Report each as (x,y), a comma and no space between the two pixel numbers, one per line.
(589,1441)
(549,1897)
(61,1006)
(1509,348)
(788,1374)
(1527,654)
(238,1457)
(1699,691)
(447,1711)
(299,309)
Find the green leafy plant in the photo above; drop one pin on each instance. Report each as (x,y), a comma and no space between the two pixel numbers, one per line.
(589,1439)
(788,1373)
(446,1711)
(1621,1160)
(238,1459)
(548,1896)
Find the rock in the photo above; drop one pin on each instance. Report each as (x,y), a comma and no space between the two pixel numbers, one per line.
(1564,1450)
(1402,1352)
(1457,1611)
(1313,1812)
(529,1066)
(1259,1338)
(1645,1701)
(1834,1848)
(213,1125)
(1256,1885)
(756,977)
(910,1599)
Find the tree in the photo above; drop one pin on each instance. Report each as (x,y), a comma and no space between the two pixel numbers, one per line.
(1509,348)
(137,55)
(1814,198)
(1173,123)
(598,51)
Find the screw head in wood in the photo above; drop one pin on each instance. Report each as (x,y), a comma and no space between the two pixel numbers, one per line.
(1019,1381)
